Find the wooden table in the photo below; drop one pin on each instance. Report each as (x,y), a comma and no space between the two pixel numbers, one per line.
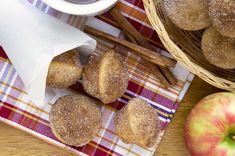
(15,142)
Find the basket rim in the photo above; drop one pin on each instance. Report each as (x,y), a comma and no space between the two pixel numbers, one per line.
(179,55)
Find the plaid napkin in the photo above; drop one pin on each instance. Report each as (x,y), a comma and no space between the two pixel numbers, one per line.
(17,110)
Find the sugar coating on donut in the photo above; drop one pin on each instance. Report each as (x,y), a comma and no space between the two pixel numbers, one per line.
(136,119)
(219,50)
(188,14)
(222,13)
(106,78)
(75,119)
(113,77)
(64,70)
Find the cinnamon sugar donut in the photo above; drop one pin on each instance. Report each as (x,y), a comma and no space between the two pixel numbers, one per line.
(75,119)
(219,50)
(64,70)
(106,78)
(222,13)
(138,123)
(188,14)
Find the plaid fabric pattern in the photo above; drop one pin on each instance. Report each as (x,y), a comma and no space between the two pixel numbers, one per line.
(17,110)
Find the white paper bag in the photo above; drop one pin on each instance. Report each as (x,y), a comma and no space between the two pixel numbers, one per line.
(32,38)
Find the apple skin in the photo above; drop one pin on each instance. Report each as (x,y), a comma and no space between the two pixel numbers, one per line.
(210,126)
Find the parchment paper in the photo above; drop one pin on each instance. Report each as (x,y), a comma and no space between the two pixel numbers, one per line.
(32,39)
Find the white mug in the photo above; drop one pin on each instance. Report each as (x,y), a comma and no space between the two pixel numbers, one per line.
(81,1)
(81,7)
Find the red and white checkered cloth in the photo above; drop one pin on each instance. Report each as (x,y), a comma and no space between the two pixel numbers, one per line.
(17,110)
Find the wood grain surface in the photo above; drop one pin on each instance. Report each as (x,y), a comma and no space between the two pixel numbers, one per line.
(14,142)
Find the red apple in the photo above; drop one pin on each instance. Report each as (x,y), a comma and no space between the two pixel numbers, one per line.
(210,126)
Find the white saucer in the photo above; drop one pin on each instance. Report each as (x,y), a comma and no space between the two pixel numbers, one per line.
(89,9)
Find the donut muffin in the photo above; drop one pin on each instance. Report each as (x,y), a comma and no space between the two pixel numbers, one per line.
(106,78)
(75,119)
(219,50)
(188,14)
(222,13)
(138,123)
(64,70)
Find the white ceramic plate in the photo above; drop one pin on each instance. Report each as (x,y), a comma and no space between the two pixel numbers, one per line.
(89,9)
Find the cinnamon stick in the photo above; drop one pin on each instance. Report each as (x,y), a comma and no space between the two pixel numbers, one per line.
(126,26)
(156,71)
(129,30)
(152,56)
(129,37)
(169,76)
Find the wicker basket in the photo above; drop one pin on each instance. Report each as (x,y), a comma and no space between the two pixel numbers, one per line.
(185,46)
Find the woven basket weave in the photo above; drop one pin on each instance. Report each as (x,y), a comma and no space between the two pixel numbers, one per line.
(185,46)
